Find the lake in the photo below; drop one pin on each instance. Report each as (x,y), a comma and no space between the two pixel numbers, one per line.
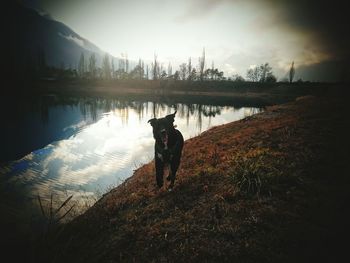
(83,146)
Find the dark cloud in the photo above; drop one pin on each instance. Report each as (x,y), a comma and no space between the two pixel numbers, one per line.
(325,21)
(199,9)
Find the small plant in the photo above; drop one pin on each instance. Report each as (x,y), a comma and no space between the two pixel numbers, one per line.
(252,172)
(54,216)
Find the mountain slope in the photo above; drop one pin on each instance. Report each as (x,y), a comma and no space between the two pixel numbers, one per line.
(32,36)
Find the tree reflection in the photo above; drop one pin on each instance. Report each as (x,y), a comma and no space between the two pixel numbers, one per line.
(94,107)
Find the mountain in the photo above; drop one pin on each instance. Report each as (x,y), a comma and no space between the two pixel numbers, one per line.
(34,36)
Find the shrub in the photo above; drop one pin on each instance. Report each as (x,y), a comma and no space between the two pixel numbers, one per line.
(253,172)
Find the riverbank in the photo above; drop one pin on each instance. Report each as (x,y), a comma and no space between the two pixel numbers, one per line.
(268,188)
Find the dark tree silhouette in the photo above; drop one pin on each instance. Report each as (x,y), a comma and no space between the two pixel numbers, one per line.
(189,73)
(170,70)
(261,73)
(291,72)
(202,66)
(155,68)
(183,71)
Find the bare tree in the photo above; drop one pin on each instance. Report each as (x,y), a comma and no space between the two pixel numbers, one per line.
(202,65)
(155,68)
(137,72)
(291,73)
(170,70)
(262,73)
(126,63)
(189,69)
(143,70)
(163,74)
(193,74)
(238,78)
(183,71)
(92,66)
(253,74)
(176,75)
(147,70)
(121,67)
(113,70)
(212,72)
(106,67)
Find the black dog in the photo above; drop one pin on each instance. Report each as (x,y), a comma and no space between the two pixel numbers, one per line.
(167,148)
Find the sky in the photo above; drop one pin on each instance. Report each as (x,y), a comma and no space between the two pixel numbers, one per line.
(236,34)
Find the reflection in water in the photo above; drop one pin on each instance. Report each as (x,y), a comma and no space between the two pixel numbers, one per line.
(102,144)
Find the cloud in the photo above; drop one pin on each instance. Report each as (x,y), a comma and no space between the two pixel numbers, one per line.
(325,22)
(79,42)
(198,9)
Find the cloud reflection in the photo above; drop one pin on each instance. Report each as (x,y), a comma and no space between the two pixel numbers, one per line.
(107,151)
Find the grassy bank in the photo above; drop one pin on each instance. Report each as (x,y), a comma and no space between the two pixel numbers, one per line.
(268,188)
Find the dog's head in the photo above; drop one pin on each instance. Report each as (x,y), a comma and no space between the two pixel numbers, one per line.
(163,127)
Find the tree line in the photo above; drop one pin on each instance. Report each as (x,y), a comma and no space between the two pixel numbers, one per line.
(88,68)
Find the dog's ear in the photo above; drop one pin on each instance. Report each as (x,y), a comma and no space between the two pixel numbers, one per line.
(152,121)
(171,117)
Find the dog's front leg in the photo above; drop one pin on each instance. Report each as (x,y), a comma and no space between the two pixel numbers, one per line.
(159,171)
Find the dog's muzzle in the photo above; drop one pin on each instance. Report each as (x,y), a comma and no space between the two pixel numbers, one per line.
(164,136)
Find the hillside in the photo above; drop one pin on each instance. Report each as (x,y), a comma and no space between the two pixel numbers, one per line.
(268,188)
(33,36)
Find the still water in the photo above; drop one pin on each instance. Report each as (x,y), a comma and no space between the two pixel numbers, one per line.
(83,146)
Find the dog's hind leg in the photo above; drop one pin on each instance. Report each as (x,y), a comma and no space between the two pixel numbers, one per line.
(172,174)
(159,171)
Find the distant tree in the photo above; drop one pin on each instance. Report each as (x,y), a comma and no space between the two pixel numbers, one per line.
(81,65)
(155,68)
(201,66)
(92,66)
(207,73)
(264,72)
(176,75)
(238,78)
(219,75)
(183,71)
(106,67)
(193,74)
(142,71)
(212,72)
(126,63)
(147,70)
(170,70)
(291,72)
(271,78)
(113,70)
(163,74)
(189,69)
(253,74)
(260,73)
(121,66)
